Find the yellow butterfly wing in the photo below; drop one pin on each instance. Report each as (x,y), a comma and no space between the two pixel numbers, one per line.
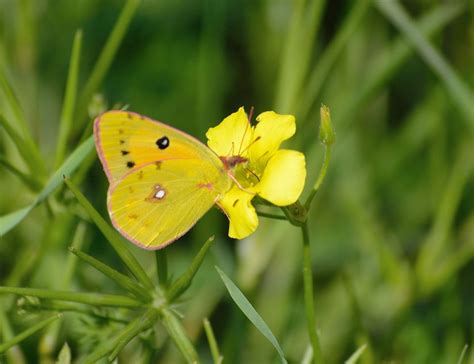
(126,140)
(161,179)
(156,204)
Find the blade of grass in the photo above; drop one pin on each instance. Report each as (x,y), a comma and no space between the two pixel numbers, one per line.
(27,333)
(15,354)
(65,124)
(297,51)
(14,106)
(434,245)
(328,58)
(176,331)
(97,299)
(216,356)
(104,61)
(461,94)
(357,354)
(28,151)
(391,59)
(246,307)
(184,281)
(119,278)
(28,180)
(113,237)
(9,221)
(137,326)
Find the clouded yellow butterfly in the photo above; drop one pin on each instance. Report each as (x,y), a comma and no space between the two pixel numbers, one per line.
(162,180)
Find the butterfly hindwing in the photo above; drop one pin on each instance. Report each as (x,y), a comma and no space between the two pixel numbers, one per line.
(127,140)
(157,203)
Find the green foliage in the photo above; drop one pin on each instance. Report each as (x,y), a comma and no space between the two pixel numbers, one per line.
(385,270)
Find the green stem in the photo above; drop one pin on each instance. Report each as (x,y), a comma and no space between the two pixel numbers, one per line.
(309,297)
(162,267)
(271,216)
(322,175)
(216,356)
(27,333)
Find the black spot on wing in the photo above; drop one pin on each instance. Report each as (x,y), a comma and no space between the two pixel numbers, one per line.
(130,164)
(163,142)
(125,152)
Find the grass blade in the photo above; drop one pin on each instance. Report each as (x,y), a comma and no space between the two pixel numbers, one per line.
(184,281)
(323,68)
(297,51)
(28,180)
(9,221)
(246,307)
(119,278)
(357,354)
(27,333)
(20,120)
(216,356)
(177,334)
(97,299)
(393,58)
(65,123)
(113,237)
(105,60)
(28,151)
(458,90)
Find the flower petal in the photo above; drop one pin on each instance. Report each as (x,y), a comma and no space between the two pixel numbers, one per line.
(284,176)
(231,136)
(242,216)
(272,129)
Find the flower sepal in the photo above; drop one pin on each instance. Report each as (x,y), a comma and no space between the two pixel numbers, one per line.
(296,213)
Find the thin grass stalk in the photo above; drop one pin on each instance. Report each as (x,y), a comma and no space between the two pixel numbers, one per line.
(309,297)
(65,122)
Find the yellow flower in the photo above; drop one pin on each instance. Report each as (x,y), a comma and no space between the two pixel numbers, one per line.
(253,158)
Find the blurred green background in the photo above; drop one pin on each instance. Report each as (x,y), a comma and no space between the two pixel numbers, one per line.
(392,228)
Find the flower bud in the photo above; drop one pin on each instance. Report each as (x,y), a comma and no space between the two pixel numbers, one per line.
(327,136)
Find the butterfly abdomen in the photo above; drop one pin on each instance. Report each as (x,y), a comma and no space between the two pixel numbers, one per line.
(232,161)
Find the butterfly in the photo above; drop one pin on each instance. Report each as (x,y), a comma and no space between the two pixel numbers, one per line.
(162,180)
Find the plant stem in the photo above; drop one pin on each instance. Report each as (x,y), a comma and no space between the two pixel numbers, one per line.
(216,356)
(271,216)
(322,175)
(309,297)
(162,267)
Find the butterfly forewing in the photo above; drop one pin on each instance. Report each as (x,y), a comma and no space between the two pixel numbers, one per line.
(126,140)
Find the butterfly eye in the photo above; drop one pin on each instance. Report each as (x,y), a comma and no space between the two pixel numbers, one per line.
(163,142)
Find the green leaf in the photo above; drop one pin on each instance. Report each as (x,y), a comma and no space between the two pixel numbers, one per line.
(27,333)
(9,221)
(64,356)
(97,299)
(246,307)
(184,281)
(119,278)
(113,237)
